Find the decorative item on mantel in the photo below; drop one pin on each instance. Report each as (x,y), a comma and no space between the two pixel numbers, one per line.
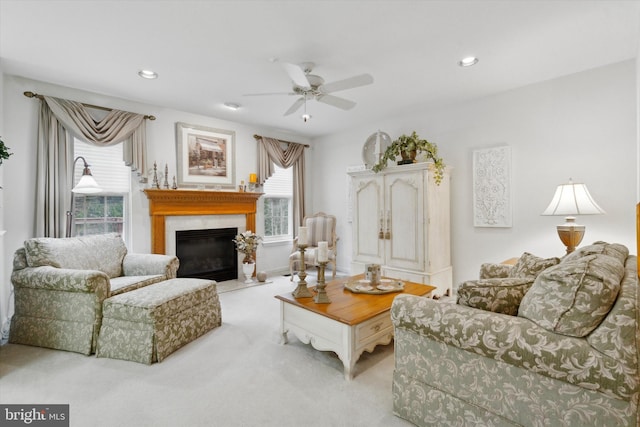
(166,176)
(155,184)
(253,181)
(408,148)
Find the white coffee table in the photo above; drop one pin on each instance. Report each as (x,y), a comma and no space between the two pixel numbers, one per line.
(349,325)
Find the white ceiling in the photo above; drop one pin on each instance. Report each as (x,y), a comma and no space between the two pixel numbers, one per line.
(209,52)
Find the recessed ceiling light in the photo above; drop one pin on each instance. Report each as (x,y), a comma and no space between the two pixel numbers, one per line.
(232,105)
(148,74)
(468,61)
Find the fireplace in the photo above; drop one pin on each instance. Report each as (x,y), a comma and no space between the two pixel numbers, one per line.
(207,253)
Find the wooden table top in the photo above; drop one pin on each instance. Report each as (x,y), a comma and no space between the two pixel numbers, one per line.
(353,308)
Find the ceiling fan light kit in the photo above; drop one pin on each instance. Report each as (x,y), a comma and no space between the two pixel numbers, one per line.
(232,106)
(148,74)
(311,86)
(468,61)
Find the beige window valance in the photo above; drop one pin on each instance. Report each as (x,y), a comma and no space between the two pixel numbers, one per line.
(59,121)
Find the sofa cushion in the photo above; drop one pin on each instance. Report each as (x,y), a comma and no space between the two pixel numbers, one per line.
(103,252)
(500,295)
(529,265)
(123,284)
(616,250)
(572,298)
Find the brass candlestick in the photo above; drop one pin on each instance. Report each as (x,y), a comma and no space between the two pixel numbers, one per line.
(321,295)
(302,291)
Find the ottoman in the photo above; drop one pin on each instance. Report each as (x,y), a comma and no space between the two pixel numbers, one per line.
(147,324)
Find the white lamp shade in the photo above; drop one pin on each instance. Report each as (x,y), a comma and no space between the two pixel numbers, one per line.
(87,185)
(572,199)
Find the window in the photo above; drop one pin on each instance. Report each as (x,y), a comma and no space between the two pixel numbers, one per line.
(278,205)
(105,212)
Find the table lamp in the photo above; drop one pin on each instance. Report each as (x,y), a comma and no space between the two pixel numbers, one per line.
(86,185)
(572,199)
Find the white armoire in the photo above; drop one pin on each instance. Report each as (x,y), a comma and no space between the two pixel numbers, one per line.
(401,220)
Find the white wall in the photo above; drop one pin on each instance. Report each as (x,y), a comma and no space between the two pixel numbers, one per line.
(581,126)
(21,119)
(5,286)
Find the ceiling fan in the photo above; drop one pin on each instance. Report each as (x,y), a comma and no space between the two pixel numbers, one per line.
(310,86)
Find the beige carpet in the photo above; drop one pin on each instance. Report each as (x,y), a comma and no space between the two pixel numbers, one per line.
(236,375)
(234,285)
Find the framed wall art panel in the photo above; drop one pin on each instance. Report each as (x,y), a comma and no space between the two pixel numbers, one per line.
(492,187)
(206,156)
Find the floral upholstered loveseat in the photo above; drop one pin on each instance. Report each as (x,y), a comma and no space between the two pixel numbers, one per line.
(60,285)
(549,343)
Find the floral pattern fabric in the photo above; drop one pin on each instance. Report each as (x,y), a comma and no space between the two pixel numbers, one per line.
(61,307)
(148,324)
(490,270)
(456,365)
(502,295)
(574,297)
(529,265)
(103,252)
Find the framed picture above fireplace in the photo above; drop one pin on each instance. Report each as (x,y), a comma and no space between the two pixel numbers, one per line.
(206,156)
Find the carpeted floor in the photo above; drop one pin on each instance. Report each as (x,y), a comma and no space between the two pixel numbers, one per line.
(236,375)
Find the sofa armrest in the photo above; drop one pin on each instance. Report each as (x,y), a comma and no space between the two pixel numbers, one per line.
(513,340)
(62,279)
(150,264)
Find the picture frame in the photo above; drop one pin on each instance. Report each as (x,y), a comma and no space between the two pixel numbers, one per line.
(492,187)
(206,156)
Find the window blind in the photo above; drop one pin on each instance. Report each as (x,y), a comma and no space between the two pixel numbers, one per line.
(280,184)
(106,164)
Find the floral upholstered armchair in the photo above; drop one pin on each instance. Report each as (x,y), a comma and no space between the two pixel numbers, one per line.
(547,343)
(60,285)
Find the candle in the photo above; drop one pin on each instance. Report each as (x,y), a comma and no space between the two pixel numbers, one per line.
(323,252)
(253,178)
(302,235)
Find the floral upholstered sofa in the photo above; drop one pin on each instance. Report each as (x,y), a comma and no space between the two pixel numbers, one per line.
(60,285)
(548,343)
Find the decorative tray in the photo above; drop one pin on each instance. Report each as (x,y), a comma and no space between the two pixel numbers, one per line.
(364,286)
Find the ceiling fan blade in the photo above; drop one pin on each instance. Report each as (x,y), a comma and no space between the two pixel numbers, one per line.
(295,106)
(351,82)
(269,94)
(297,75)
(335,101)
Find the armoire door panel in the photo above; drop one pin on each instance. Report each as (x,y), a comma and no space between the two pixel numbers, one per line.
(404,200)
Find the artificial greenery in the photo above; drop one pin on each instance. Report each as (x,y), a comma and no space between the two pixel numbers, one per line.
(406,144)
(4,151)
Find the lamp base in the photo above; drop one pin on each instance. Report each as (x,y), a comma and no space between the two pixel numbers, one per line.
(571,233)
